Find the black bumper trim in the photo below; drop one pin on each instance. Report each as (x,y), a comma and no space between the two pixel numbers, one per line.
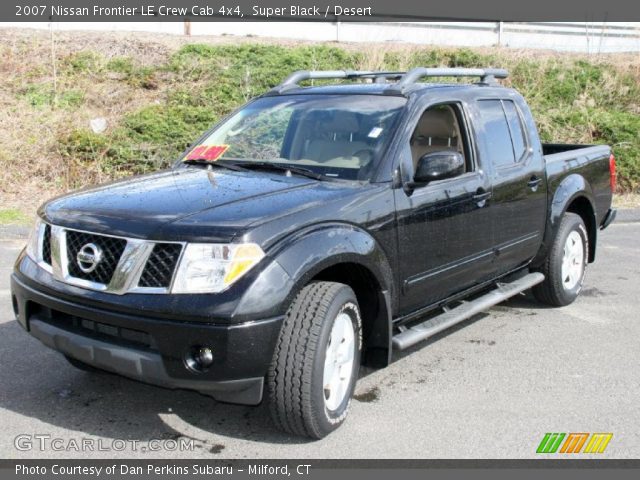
(242,352)
(139,365)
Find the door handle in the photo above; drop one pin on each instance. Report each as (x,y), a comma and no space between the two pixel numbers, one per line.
(534,182)
(481,197)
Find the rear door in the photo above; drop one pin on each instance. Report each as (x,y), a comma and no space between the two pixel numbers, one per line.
(518,213)
(444,228)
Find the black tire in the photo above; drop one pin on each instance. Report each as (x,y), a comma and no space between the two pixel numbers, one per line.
(83,366)
(295,379)
(553,291)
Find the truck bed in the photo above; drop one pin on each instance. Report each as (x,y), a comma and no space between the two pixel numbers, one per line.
(554,148)
(589,161)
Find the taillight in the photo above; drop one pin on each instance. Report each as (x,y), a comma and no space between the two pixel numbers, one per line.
(612,172)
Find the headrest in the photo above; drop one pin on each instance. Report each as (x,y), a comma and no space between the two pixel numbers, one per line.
(342,122)
(436,123)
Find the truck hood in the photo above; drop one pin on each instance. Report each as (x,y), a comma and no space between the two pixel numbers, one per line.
(188,203)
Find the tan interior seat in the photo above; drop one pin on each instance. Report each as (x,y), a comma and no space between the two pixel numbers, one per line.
(337,147)
(437,131)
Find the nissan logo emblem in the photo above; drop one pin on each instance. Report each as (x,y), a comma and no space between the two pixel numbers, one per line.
(89,257)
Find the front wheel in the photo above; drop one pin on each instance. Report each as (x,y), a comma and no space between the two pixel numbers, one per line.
(316,361)
(565,265)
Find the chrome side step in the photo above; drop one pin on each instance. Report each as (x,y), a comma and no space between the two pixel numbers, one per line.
(428,328)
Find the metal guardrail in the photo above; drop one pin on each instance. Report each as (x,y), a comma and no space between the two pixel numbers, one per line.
(589,37)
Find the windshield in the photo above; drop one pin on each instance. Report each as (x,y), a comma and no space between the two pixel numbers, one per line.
(340,136)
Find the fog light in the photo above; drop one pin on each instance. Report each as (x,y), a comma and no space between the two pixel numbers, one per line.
(199,359)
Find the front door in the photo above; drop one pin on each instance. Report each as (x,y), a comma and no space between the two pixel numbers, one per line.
(444,228)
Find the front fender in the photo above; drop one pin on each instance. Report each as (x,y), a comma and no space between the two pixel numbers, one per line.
(298,258)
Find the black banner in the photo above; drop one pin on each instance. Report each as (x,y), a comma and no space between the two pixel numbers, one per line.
(320,469)
(315,10)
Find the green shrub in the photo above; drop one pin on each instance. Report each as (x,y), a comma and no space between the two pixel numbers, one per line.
(573,100)
(37,95)
(84,145)
(621,131)
(82,62)
(120,65)
(12,216)
(41,95)
(150,138)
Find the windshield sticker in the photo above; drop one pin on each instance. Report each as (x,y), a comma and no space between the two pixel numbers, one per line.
(207,152)
(375,132)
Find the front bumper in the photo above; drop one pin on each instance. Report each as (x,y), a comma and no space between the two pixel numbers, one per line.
(148,349)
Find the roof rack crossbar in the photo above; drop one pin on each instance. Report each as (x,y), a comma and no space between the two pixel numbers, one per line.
(292,80)
(487,75)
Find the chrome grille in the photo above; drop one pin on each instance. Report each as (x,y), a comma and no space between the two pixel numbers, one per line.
(111,247)
(161,265)
(126,265)
(46,245)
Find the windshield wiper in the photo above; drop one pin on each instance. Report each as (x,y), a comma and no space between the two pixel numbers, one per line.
(218,163)
(304,172)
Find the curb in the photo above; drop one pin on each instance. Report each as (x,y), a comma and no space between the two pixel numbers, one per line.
(14,232)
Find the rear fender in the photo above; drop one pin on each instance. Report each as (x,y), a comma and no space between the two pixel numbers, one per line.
(572,188)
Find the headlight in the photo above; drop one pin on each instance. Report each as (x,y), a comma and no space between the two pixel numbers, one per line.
(33,245)
(210,268)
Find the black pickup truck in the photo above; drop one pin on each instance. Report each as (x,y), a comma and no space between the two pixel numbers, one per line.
(315,229)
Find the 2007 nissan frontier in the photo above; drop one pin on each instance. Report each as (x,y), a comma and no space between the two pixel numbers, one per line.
(313,229)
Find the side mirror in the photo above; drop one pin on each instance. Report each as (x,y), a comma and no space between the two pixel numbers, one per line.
(438,166)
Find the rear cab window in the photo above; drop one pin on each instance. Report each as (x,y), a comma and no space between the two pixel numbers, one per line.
(504,133)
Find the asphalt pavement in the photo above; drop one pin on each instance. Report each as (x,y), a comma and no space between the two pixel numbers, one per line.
(490,388)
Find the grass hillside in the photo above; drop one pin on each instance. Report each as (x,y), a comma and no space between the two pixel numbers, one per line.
(158,93)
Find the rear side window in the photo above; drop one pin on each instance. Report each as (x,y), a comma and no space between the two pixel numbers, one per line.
(517,132)
(504,132)
(497,134)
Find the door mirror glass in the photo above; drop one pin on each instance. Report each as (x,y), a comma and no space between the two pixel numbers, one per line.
(438,166)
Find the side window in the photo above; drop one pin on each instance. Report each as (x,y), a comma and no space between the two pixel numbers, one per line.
(497,134)
(517,132)
(440,128)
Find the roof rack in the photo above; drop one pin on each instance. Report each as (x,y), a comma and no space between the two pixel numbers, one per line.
(487,76)
(292,80)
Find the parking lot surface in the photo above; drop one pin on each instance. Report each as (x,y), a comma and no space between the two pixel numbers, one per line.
(490,388)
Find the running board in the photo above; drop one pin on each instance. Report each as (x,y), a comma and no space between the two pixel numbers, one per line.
(428,328)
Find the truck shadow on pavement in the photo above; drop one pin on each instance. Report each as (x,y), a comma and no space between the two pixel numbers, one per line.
(39,383)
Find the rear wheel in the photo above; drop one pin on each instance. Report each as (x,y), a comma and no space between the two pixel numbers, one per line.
(565,265)
(316,361)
